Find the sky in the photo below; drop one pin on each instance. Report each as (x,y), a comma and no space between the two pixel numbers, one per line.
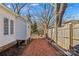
(71,13)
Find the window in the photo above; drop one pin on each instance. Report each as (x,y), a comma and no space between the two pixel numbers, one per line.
(6,26)
(11,27)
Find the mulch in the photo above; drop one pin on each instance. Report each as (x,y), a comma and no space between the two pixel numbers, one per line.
(40,47)
(12,51)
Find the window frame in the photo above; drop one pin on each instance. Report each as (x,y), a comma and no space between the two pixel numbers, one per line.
(6,26)
(11,27)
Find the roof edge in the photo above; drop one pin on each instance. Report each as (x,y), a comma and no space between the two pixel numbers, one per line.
(7,9)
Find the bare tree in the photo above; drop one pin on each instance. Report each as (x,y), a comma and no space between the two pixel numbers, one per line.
(16,7)
(60,10)
(46,17)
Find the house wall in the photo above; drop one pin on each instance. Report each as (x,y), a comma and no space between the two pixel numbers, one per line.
(21,28)
(28,28)
(6,39)
(28,32)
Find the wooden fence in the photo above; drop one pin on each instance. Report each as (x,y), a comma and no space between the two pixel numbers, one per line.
(67,35)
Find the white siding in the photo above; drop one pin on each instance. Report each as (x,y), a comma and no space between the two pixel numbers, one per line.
(28,30)
(6,39)
(20,29)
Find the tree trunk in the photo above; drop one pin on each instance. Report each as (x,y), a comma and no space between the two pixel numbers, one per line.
(45,30)
(60,12)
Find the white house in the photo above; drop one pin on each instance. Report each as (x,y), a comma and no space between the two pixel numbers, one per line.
(12,28)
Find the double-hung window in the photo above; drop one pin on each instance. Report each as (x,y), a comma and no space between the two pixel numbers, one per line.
(6,26)
(11,27)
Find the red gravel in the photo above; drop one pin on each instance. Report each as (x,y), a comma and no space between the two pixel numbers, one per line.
(40,47)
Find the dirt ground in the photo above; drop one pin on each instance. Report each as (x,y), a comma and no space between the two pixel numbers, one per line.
(37,47)
(12,51)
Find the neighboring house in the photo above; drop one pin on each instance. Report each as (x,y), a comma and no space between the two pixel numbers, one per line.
(70,22)
(12,28)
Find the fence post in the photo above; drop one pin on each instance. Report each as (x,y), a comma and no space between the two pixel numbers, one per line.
(71,36)
(56,35)
(51,33)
